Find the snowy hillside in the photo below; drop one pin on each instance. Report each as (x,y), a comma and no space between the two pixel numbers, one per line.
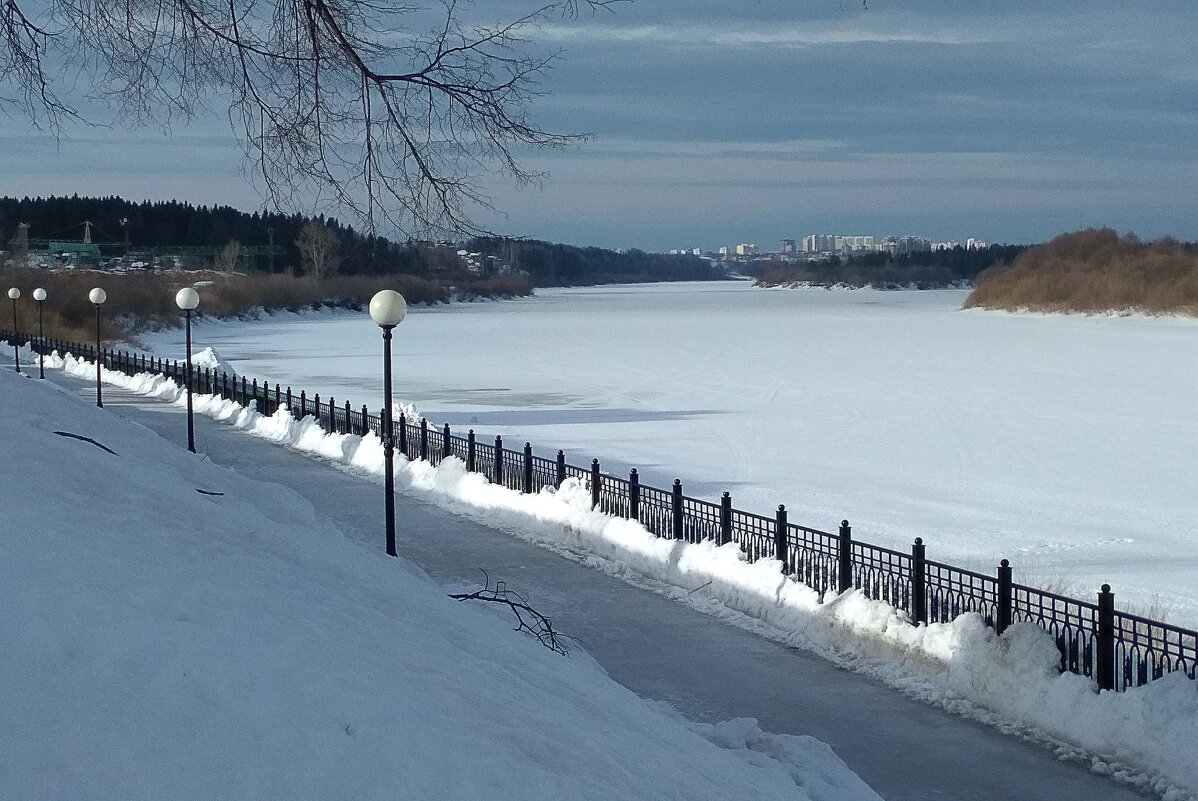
(175,630)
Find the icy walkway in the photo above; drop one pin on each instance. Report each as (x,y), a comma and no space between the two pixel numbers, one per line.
(707,669)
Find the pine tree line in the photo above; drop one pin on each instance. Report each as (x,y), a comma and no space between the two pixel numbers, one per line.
(168,228)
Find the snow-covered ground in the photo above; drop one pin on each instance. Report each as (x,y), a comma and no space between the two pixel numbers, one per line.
(1063,443)
(1145,736)
(171,629)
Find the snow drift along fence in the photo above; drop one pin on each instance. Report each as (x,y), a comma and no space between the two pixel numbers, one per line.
(1117,649)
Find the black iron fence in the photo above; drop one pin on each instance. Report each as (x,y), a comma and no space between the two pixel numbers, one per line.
(1117,649)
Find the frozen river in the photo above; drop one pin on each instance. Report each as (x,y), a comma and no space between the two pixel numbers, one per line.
(1065,444)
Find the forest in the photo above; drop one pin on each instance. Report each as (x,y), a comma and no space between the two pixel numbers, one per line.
(221,237)
(932,269)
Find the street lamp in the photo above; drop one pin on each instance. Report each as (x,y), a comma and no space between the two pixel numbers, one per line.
(39,295)
(187,299)
(15,293)
(97,296)
(387,308)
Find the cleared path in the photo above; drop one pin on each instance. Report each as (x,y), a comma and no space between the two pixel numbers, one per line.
(662,650)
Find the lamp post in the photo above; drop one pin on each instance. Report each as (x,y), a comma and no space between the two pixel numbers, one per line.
(387,308)
(15,293)
(39,295)
(97,296)
(188,299)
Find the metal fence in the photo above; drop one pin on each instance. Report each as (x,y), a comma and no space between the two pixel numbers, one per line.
(1117,649)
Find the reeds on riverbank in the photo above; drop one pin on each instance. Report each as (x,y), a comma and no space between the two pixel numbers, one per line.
(141,301)
(1095,271)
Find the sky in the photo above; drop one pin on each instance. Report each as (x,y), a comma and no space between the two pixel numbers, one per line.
(716,123)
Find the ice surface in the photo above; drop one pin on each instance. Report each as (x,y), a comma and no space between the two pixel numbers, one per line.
(1062,443)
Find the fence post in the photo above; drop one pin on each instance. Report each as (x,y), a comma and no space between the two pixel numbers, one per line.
(498,459)
(331,428)
(424,439)
(634,495)
(255,394)
(470,453)
(780,545)
(224,385)
(676,509)
(725,519)
(919,583)
(596,478)
(446,442)
(845,576)
(303,403)
(1104,642)
(1005,597)
(244,401)
(528,468)
(561,469)
(364,429)
(403,434)
(289,407)
(349,428)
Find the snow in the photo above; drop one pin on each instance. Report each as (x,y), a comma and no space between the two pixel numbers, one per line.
(1062,443)
(173,629)
(1144,736)
(208,358)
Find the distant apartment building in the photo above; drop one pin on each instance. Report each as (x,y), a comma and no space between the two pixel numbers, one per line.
(746,249)
(975,244)
(725,252)
(787,246)
(912,244)
(854,244)
(819,243)
(836,243)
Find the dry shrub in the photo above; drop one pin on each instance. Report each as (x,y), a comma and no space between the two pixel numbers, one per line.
(1095,271)
(146,301)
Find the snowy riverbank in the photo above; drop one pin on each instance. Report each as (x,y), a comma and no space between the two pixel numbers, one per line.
(1144,735)
(175,630)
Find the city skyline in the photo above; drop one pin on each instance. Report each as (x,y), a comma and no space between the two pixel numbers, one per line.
(714,126)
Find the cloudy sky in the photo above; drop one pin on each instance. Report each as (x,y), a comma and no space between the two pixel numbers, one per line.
(723,122)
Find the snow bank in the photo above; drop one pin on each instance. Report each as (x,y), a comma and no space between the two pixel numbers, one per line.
(209,358)
(175,630)
(1144,736)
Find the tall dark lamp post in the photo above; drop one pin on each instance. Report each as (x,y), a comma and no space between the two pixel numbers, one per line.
(97,296)
(188,299)
(388,308)
(15,293)
(39,295)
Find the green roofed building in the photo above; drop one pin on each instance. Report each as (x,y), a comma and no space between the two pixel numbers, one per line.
(75,249)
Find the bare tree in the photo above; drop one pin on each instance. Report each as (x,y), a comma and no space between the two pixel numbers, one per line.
(225,260)
(320,249)
(389,111)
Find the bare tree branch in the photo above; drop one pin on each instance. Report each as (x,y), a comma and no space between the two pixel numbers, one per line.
(527,619)
(386,111)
